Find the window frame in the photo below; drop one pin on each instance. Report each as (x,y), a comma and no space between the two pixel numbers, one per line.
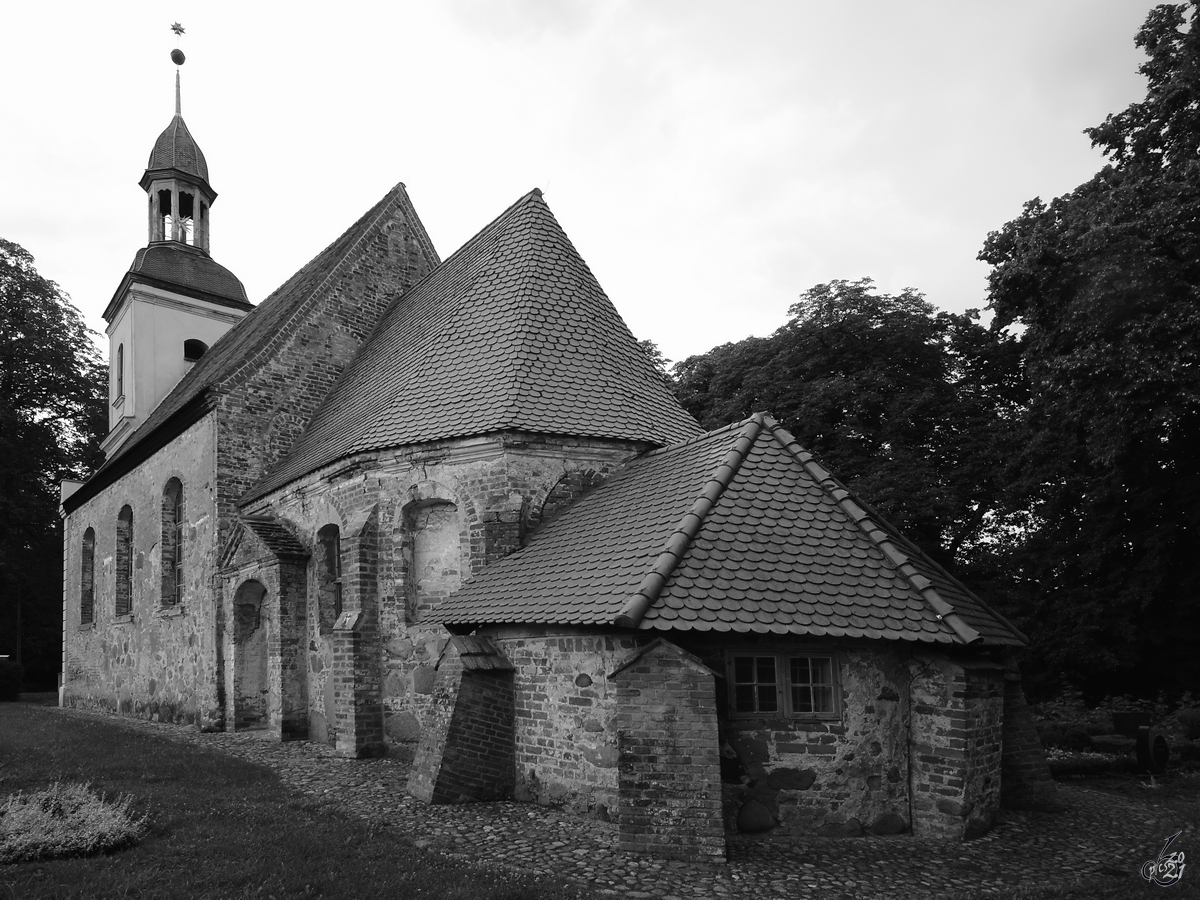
(87,578)
(123,566)
(784,686)
(172,544)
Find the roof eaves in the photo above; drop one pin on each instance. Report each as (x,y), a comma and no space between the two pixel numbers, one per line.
(944,611)
(131,454)
(640,601)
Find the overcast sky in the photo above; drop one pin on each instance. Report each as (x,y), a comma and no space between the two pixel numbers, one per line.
(710,160)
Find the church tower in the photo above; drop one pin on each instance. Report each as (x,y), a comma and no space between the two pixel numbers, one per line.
(175,300)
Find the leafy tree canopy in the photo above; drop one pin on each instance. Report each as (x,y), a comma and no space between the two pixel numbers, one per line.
(1105,282)
(904,402)
(52,415)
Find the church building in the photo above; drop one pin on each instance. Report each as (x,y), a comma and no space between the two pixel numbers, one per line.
(450,511)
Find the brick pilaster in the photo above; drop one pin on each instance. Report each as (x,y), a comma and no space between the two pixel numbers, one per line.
(669,771)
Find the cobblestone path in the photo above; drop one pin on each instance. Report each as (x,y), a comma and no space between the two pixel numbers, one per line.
(1097,834)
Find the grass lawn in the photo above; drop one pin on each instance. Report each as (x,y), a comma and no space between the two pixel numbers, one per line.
(219,827)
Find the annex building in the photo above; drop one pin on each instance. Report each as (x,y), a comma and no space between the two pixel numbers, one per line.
(449,509)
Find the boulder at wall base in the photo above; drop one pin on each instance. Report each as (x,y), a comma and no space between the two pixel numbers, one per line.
(849,828)
(754,817)
(978,826)
(889,823)
(955,807)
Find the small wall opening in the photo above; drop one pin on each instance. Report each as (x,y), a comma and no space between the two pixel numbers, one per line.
(251,687)
(163,220)
(185,227)
(193,349)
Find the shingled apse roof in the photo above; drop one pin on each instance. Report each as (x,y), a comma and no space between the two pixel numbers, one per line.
(512,332)
(739,530)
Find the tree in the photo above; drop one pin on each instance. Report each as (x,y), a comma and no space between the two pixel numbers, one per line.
(52,415)
(914,408)
(1105,284)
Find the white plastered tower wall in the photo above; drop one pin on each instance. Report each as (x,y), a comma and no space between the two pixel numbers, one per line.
(146,339)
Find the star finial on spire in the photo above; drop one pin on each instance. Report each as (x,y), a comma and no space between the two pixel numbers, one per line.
(177,28)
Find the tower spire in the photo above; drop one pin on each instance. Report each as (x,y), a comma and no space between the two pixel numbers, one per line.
(178,110)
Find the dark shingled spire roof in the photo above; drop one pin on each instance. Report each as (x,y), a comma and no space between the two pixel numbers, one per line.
(512,332)
(177,149)
(739,530)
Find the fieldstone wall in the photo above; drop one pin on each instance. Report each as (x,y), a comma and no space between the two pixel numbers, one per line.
(442,512)
(956,735)
(669,769)
(566,716)
(158,662)
(843,776)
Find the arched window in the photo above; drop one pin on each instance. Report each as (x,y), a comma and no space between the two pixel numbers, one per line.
(434,535)
(193,349)
(329,577)
(87,579)
(120,379)
(124,561)
(172,543)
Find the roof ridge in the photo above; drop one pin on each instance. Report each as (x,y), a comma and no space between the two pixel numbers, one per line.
(702,436)
(397,196)
(944,611)
(640,601)
(481,244)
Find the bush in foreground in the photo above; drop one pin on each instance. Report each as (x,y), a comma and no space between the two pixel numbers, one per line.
(65,820)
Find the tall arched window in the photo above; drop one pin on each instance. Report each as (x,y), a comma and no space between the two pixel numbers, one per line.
(120,379)
(87,579)
(172,543)
(329,577)
(124,562)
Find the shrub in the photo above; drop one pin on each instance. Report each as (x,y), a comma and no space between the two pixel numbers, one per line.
(65,820)
(1085,764)
(1065,737)
(11,675)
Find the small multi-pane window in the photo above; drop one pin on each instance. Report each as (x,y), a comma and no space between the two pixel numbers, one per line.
(773,684)
(87,579)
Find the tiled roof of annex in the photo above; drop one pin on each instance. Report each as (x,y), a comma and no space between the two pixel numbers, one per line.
(737,530)
(220,367)
(511,332)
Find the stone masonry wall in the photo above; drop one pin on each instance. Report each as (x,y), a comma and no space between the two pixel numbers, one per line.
(566,716)
(158,662)
(466,753)
(669,769)
(443,511)
(956,743)
(837,777)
